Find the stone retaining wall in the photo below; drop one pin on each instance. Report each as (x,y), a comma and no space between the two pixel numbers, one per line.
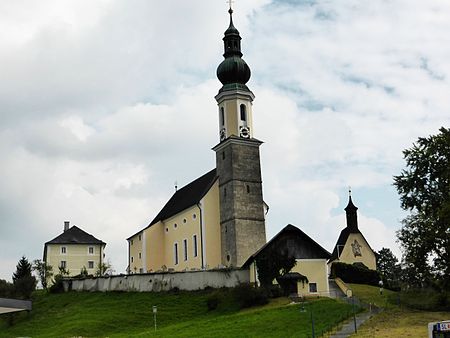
(156,282)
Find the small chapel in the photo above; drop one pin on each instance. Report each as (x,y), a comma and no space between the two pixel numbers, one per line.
(351,246)
(217,220)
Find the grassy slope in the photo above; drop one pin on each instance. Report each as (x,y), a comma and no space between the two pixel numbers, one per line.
(179,315)
(395,321)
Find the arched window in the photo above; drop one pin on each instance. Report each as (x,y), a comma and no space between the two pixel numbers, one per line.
(222,116)
(243,113)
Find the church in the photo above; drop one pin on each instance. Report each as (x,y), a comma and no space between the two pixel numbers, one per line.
(218,220)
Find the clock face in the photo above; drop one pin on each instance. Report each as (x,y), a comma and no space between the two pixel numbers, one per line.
(245,132)
(223,134)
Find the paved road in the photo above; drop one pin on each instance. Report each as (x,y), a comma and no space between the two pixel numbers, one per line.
(349,326)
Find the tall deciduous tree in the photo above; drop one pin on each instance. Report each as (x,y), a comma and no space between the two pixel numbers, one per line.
(44,271)
(424,188)
(24,282)
(388,267)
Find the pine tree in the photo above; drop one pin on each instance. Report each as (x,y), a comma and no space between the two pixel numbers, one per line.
(24,282)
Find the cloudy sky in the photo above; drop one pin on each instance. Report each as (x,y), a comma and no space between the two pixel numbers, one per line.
(105,104)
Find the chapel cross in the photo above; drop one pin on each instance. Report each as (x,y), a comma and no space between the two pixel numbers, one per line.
(230,2)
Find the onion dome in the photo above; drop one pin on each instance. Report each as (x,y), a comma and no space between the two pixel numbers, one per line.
(233,72)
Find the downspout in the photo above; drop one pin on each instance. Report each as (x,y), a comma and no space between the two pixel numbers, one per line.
(100,266)
(201,235)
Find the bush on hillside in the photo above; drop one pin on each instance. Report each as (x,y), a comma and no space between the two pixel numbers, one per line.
(425,299)
(275,291)
(6,289)
(355,273)
(213,300)
(57,286)
(248,296)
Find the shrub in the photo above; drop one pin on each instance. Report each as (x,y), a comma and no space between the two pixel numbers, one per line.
(6,289)
(57,286)
(212,302)
(275,291)
(355,273)
(248,296)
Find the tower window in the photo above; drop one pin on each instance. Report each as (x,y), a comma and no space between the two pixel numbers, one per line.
(243,113)
(222,116)
(248,189)
(224,192)
(223,155)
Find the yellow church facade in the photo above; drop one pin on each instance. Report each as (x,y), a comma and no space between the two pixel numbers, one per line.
(181,240)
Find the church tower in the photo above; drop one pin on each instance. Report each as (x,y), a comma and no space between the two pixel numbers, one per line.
(237,158)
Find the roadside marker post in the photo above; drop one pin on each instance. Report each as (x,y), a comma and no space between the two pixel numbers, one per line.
(155,309)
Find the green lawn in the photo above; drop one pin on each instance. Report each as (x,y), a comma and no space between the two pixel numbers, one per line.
(371,294)
(396,320)
(184,314)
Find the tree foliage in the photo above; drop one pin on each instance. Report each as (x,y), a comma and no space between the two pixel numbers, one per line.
(273,263)
(6,289)
(424,188)
(389,268)
(104,268)
(24,282)
(44,272)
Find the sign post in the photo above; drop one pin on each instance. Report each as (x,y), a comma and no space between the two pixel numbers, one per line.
(155,309)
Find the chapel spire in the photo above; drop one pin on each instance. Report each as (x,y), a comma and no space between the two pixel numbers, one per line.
(351,212)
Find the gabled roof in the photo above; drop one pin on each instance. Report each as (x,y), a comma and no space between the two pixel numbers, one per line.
(322,253)
(186,197)
(343,239)
(75,235)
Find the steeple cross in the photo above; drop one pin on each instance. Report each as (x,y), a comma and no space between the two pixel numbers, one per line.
(230,2)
